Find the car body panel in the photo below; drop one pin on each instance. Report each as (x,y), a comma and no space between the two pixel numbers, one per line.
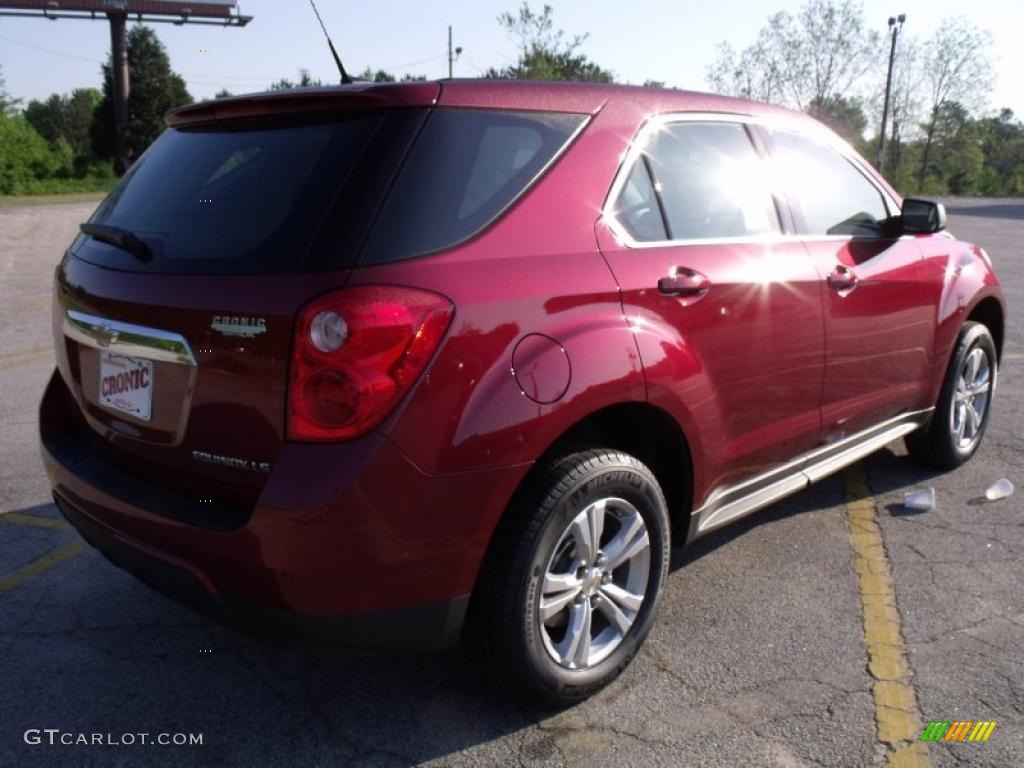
(769,368)
(879,336)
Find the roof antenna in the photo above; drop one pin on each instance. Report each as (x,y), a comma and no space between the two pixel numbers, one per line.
(345,79)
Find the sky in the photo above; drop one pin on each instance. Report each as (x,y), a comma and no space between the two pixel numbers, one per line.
(669,40)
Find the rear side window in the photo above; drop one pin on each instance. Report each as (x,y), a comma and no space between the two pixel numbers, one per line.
(637,208)
(711,181)
(829,195)
(465,169)
(233,198)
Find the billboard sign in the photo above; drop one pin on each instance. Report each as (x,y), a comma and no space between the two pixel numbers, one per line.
(204,8)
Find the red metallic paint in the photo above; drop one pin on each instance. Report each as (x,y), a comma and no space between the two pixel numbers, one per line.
(769,363)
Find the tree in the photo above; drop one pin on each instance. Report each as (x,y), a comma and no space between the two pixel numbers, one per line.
(155,90)
(305,81)
(380,76)
(66,117)
(905,101)
(8,104)
(25,156)
(223,93)
(956,68)
(544,52)
(749,74)
(798,60)
(844,116)
(958,161)
(1001,139)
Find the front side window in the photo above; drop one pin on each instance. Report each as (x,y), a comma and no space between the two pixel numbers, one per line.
(711,181)
(827,192)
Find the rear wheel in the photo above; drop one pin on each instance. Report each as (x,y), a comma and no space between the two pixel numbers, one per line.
(571,585)
(962,412)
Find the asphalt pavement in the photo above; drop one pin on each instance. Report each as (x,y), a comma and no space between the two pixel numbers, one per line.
(761,655)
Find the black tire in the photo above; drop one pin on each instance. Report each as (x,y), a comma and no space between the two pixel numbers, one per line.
(937,443)
(504,628)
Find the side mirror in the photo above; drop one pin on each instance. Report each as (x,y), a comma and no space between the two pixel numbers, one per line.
(922,217)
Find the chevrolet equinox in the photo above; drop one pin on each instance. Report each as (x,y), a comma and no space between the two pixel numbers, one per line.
(402,365)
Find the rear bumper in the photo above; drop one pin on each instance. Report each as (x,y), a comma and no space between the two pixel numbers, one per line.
(348,544)
(426,627)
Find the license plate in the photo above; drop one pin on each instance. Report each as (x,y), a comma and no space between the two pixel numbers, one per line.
(126,384)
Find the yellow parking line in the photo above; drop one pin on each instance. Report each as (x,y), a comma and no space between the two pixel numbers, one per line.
(38,357)
(28,351)
(37,521)
(44,563)
(896,710)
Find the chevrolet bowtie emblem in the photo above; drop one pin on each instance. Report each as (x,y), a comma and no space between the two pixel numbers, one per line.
(106,336)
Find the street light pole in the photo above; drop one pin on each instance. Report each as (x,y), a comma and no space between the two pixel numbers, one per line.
(895,25)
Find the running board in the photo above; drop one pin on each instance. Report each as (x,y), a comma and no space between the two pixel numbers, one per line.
(732,502)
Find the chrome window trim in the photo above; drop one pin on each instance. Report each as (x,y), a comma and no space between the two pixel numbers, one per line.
(728,503)
(809,131)
(127,338)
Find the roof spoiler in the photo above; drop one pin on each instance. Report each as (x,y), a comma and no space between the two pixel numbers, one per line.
(305,100)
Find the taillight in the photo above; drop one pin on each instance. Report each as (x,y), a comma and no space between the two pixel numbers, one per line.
(356,353)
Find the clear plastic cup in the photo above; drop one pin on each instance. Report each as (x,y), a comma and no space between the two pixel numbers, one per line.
(1000,489)
(923,500)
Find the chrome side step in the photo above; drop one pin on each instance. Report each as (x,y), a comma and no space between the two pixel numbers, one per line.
(733,502)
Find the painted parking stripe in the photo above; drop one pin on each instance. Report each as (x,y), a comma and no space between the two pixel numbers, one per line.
(37,521)
(36,358)
(897,716)
(28,351)
(44,563)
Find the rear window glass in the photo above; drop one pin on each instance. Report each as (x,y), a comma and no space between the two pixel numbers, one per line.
(465,169)
(232,199)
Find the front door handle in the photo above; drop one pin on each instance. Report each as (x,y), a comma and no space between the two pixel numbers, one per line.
(685,282)
(842,280)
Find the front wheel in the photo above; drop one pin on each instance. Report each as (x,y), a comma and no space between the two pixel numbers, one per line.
(571,585)
(962,412)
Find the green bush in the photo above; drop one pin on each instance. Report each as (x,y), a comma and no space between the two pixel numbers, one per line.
(26,157)
(30,165)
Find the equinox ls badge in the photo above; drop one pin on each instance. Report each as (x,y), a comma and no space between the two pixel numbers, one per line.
(231,461)
(246,327)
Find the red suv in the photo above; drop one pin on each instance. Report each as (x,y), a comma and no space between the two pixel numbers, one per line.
(401,364)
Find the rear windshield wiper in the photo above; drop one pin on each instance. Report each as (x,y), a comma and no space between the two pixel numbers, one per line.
(121,238)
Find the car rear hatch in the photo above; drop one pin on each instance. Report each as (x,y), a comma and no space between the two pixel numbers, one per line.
(174,313)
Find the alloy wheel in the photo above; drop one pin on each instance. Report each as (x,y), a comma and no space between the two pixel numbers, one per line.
(971,398)
(595,583)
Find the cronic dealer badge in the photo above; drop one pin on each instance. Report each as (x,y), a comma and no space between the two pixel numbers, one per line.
(246,327)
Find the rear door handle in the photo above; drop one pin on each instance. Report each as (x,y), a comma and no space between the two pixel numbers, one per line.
(842,280)
(683,281)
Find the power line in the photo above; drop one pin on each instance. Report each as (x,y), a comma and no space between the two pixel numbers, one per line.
(415,63)
(210,79)
(49,50)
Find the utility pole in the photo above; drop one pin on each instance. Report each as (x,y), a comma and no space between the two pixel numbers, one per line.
(177,12)
(453,54)
(895,25)
(122,88)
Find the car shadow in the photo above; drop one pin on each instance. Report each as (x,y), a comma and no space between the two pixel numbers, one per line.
(1013,211)
(91,649)
(887,472)
(127,660)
